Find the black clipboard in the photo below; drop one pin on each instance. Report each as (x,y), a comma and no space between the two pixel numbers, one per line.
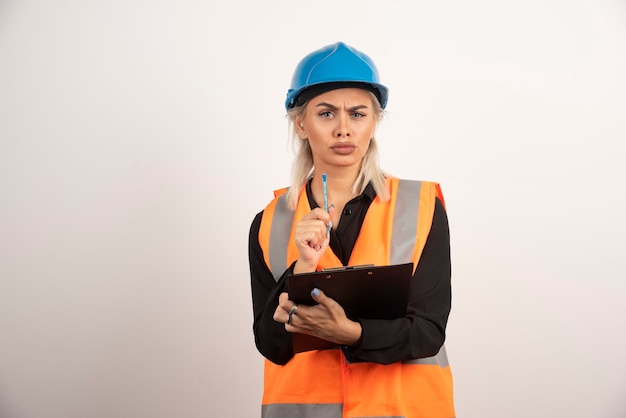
(367,292)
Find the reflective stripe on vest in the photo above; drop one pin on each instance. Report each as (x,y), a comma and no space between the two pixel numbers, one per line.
(405,221)
(402,237)
(308,411)
(279,236)
(440,359)
(331,410)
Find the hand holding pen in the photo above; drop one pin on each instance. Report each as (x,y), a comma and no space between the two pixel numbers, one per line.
(312,234)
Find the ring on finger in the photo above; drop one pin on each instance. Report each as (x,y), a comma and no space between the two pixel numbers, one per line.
(292,312)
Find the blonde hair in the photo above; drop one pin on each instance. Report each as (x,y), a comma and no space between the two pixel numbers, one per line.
(303,168)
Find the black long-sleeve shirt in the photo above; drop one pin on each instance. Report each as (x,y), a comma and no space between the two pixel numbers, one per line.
(419,334)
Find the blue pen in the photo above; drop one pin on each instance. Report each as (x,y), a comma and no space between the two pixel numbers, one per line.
(325,199)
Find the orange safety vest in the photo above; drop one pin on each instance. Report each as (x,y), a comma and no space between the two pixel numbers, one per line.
(321,383)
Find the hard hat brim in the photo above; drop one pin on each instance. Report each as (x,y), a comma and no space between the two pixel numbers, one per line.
(309,92)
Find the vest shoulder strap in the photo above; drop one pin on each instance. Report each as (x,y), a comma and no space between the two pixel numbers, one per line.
(280,192)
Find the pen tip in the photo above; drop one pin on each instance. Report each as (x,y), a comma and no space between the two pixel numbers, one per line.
(323,176)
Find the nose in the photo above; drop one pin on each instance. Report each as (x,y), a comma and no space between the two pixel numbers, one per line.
(343,128)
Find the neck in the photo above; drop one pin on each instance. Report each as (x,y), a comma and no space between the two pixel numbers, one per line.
(338,179)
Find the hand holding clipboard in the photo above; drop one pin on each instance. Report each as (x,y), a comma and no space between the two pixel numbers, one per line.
(368,292)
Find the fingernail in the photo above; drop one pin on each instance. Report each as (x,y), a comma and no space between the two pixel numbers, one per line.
(330,224)
(315,292)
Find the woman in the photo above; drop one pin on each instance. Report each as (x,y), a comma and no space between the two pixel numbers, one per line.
(382,368)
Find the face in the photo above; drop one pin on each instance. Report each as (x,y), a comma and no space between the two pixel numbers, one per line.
(339,125)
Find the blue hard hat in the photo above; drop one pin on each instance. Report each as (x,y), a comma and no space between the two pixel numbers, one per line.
(332,67)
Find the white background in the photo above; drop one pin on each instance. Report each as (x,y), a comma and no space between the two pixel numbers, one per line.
(138,139)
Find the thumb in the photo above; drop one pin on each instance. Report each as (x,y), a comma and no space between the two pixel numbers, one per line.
(331,212)
(319,296)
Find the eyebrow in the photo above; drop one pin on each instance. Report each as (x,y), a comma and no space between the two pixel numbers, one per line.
(333,107)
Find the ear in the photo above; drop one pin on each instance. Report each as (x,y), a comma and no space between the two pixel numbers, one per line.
(300,127)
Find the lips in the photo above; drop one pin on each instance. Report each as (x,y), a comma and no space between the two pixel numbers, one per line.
(343,148)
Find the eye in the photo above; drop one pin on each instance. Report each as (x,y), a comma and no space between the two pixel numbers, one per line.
(326,114)
(358,115)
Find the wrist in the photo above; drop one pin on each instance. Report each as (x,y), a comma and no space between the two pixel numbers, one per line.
(354,335)
(302,267)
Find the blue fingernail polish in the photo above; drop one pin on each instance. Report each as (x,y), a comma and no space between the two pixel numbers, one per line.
(315,292)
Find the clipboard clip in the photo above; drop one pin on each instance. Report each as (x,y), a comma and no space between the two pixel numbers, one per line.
(342,268)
